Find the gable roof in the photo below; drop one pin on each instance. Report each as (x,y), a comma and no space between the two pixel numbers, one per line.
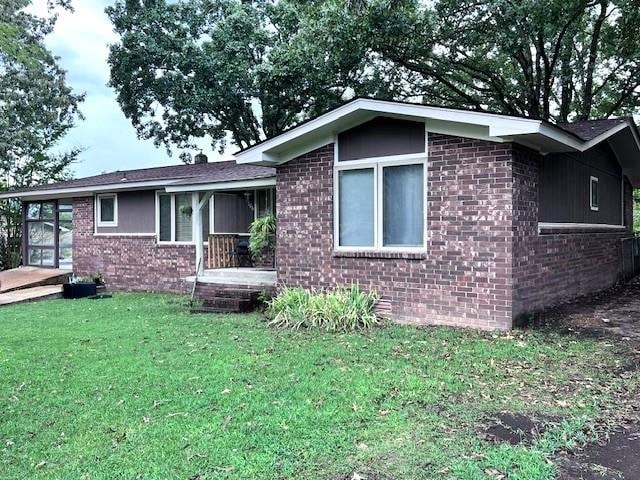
(183,175)
(539,135)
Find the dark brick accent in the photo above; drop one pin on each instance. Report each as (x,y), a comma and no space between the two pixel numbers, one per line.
(463,280)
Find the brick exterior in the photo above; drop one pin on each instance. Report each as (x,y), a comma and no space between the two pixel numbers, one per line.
(485,262)
(551,268)
(128,263)
(463,280)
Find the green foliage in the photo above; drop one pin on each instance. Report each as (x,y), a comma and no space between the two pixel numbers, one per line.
(263,234)
(230,68)
(164,394)
(245,70)
(37,108)
(547,59)
(341,309)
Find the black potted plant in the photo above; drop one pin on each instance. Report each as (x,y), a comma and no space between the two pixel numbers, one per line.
(79,287)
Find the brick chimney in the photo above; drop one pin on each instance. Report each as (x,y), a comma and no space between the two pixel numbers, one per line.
(200,159)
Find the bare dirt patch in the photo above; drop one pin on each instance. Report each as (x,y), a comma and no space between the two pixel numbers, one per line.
(611,313)
(516,428)
(616,458)
(613,316)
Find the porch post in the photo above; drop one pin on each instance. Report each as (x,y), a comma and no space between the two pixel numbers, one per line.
(198,232)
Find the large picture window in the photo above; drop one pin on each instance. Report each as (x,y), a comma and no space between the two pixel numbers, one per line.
(48,234)
(381,204)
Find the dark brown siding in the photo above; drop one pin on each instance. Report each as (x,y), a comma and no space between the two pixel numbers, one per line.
(136,213)
(565,187)
(382,136)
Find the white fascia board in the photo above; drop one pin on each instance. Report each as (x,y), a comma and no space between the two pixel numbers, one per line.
(231,185)
(498,125)
(73,191)
(499,128)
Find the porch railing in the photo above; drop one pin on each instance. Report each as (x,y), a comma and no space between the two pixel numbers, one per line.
(221,250)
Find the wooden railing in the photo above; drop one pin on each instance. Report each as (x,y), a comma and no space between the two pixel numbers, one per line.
(220,251)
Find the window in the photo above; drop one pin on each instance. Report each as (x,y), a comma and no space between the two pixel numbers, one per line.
(356,208)
(65,235)
(107,211)
(381,204)
(265,202)
(40,228)
(594,194)
(175,217)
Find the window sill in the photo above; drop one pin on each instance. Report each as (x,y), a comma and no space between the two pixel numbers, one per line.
(380,254)
(578,228)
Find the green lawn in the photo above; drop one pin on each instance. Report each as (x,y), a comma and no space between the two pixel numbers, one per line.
(135,387)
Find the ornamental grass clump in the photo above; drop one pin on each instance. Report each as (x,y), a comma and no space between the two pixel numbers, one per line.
(341,309)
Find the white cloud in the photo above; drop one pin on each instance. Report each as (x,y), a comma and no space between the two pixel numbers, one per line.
(81,39)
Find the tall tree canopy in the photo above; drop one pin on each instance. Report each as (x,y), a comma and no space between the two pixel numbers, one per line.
(183,70)
(187,69)
(37,108)
(574,59)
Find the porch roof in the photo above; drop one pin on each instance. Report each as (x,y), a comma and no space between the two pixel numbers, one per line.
(180,177)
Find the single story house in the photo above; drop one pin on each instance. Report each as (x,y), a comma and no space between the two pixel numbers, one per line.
(454,217)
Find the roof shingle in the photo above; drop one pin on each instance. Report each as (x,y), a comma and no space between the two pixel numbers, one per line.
(213,172)
(589,129)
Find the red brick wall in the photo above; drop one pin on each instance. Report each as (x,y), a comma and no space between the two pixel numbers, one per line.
(465,277)
(551,268)
(128,263)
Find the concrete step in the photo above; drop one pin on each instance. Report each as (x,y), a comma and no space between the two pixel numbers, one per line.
(238,276)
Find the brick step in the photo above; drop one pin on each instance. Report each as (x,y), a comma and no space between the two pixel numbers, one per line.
(226,304)
(209,292)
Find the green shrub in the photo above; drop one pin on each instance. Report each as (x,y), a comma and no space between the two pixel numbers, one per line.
(341,309)
(263,234)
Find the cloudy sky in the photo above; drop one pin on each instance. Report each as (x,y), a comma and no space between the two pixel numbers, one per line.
(81,39)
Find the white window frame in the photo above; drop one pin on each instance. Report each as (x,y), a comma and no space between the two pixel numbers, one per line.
(594,207)
(99,221)
(194,206)
(378,164)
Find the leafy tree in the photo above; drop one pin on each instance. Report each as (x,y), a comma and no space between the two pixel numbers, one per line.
(241,70)
(185,70)
(574,59)
(37,109)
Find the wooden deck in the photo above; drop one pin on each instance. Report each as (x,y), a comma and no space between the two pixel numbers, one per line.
(30,294)
(27,277)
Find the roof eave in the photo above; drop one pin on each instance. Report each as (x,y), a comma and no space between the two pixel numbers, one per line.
(88,190)
(227,185)
(322,130)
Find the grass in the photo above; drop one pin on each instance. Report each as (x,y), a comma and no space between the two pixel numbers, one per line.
(134,387)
